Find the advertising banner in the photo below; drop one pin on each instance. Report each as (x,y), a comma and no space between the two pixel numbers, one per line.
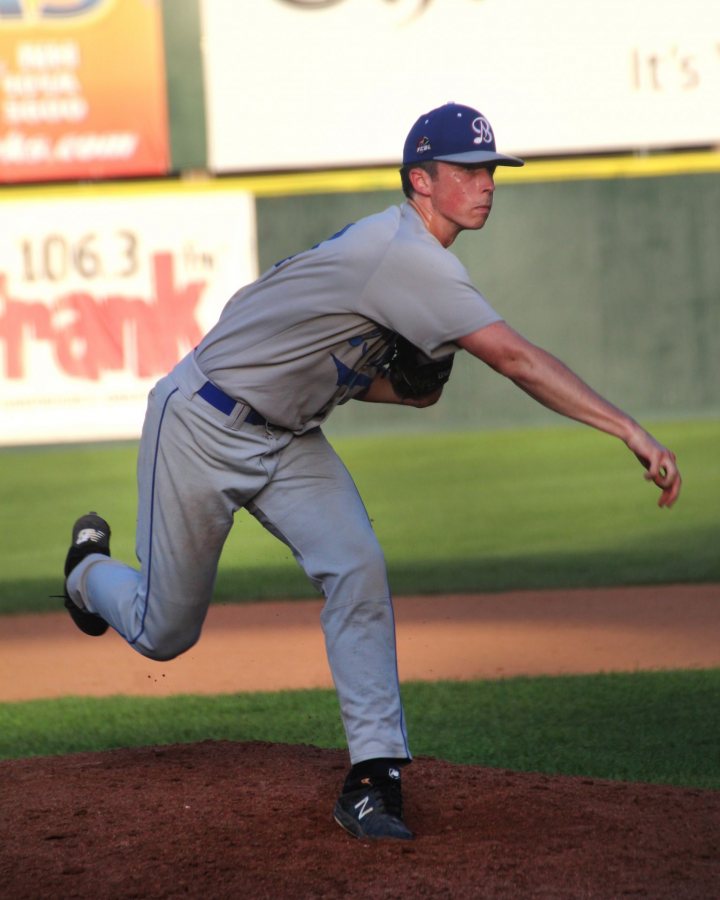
(100,296)
(294,84)
(82,90)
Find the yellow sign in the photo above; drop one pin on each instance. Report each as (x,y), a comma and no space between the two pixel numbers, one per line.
(82,90)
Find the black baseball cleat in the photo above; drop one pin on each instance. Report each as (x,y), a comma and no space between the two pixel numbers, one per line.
(374,809)
(90,534)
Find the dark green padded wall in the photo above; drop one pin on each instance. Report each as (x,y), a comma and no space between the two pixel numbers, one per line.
(620,278)
(185,84)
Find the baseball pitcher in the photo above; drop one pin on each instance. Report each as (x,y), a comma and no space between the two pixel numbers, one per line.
(374,313)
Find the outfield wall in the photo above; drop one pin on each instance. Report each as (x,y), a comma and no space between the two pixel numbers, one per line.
(608,260)
(620,277)
(612,264)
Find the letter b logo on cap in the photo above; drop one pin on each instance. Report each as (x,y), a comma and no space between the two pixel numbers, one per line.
(482,129)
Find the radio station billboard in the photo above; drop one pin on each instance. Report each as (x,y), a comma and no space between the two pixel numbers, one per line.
(82,90)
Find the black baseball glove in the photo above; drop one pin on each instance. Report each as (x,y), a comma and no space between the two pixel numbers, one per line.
(414,374)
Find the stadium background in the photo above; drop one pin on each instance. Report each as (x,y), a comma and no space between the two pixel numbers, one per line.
(262,127)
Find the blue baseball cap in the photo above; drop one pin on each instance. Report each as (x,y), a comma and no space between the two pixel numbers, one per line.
(456,134)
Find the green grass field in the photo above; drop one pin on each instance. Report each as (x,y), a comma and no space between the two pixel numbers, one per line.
(477,511)
(656,727)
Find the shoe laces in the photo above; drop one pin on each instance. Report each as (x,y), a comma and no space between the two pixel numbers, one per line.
(390,791)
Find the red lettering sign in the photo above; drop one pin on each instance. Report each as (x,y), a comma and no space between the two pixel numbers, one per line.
(91,335)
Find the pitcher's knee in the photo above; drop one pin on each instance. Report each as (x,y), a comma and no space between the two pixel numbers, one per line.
(163,646)
(361,575)
(370,562)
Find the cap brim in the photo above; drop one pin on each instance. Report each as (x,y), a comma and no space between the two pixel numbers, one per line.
(481,156)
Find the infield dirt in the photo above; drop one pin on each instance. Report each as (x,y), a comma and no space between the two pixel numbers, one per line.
(231,820)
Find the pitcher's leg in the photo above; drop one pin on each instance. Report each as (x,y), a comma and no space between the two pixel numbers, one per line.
(183,520)
(313,506)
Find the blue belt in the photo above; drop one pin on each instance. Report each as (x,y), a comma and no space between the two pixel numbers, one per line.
(212,394)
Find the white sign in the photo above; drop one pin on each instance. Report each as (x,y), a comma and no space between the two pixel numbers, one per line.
(101,296)
(295,84)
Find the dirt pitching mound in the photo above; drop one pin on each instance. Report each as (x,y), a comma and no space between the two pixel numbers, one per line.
(224,819)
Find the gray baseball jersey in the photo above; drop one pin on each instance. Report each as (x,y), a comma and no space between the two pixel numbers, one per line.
(311,332)
(235,425)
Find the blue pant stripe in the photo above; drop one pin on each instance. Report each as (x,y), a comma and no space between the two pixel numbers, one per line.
(152,517)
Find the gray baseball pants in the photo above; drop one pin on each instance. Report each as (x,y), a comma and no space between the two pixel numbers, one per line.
(196,467)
